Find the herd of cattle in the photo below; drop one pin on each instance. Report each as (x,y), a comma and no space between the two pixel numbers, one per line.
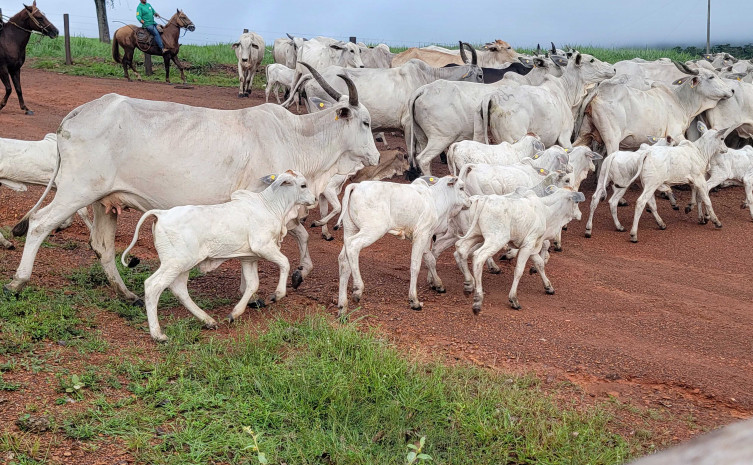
(551,115)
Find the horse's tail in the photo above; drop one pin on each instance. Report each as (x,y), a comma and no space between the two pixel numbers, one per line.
(115,50)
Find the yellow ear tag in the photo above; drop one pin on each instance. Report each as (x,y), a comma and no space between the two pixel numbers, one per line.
(738,78)
(536,156)
(272,177)
(337,117)
(567,150)
(431,179)
(541,171)
(321,104)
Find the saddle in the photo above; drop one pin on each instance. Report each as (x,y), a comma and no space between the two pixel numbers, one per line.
(144,38)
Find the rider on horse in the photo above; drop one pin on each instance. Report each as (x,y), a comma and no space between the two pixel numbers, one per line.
(146,14)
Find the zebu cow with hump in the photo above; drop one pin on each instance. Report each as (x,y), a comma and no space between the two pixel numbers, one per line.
(201,157)
(285,51)
(621,116)
(250,52)
(321,52)
(494,55)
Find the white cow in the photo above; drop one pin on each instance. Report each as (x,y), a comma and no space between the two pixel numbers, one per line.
(385,92)
(249,50)
(415,211)
(735,112)
(321,52)
(686,163)
(482,178)
(201,157)
(505,153)
(30,162)
(621,115)
(520,219)
(735,166)
(548,110)
(250,226)
(391,163)
(379,56)
(619,168)
(285,51)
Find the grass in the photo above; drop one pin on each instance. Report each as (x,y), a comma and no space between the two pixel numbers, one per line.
(317,393)
(302,392)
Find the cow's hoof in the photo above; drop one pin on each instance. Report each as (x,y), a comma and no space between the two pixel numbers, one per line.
(467,290)
(703,221)
(356,297)
(258,303)
(550,290)
(275,298)
(633,239)
(564,228)
(336,227)
(8,294)
(622,203)
(439,289)
(11,247)
(160,338)
(138,303)
(648,209)
(296,279)
(231,318)
(532,270)
(504,258)
(328,238)
(514,304)
(416,306)
(240,95)
(662,227)
(688,209)
(743,205)
(476,308)
(557,248)
(211,324)
(29,113)
(495,271)
(718,225)
(588,234)
(621,228)
(675,207)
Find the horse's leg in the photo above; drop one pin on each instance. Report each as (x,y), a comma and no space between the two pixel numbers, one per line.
(180,67)
(128,55)
(6,81)
(166,59)
(15,75)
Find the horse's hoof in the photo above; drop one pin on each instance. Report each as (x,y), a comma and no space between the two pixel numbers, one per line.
(138,303)
(257,304)
(29,113)
(296,279)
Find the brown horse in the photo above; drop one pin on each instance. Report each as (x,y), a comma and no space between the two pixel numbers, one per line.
(14,36)
(126,37)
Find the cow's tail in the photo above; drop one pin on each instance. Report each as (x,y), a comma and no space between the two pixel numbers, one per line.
(345,202)
(135,261)
(477,203)
(601,185)
(294,89)
(451,159)
(23,226)
(411,128)
(115,50)
(481,120)
(638,171)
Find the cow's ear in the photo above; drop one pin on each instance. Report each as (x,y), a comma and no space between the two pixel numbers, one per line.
(538,146)
(336,47)
(593,155)
(538,155)
(542,171)
(430,180)
(680,81)
(702,127)
(558,60)
(578,197)
(652,139)
(452,180)
(269,179)
(343,113)
(550,189)
(320,104)
(578,59)
(539,63)
(527,62)
(236,45)
(708,57)
(670,140)
(255,46)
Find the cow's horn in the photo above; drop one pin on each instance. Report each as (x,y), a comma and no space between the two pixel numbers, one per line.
(289,36)
(463,56)
(538,49)
(322,83)
(554,49)
(684,68)
(352,91)
(474,58)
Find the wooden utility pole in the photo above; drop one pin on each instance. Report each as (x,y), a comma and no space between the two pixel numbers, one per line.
(67,32)
(708,30)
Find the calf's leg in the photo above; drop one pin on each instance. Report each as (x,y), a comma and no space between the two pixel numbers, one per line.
(250,274)
(179,288)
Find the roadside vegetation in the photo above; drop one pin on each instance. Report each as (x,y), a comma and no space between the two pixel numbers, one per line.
(217,65)
(304,391)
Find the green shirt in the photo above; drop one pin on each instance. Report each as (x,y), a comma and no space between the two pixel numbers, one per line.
(145,14)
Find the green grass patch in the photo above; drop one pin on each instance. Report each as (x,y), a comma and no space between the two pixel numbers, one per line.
(314,393)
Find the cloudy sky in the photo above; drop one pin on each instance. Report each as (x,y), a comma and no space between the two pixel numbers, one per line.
(412,23)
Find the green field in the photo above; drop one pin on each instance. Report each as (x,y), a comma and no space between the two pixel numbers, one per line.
(216,64)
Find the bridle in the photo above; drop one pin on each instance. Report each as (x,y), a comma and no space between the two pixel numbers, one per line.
(181,23)
(36,22)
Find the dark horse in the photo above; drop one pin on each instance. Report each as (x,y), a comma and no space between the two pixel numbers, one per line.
(126,37)
(14,36)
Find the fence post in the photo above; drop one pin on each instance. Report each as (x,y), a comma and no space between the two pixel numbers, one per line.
(66,27)
(353,39)
(245,30)
(148,64)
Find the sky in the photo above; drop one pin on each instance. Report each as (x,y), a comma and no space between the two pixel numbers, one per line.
(602,23)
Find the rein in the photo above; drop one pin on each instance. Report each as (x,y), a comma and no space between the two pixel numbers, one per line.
(36,22)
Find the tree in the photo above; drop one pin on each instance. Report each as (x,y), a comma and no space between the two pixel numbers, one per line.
(104,28)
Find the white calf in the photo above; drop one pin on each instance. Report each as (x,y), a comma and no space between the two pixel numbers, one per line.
(735,166)
(505,153)
(391,163)
(416,211)
(278,77)
(520,219)
(25,162)
(685,164)
(482,178)
(250,226)
(618,168)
